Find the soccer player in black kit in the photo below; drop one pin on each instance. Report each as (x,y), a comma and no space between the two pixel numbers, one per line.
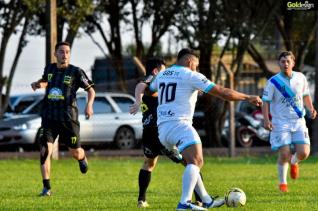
(59,111)
(148,103)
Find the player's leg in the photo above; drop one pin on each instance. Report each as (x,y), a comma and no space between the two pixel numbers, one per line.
(284,154)
(301,141)
(149,140)
(46,149)
(71,137)
(144,179)
(280,139)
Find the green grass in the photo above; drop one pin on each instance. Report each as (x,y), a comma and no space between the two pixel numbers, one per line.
(111,184)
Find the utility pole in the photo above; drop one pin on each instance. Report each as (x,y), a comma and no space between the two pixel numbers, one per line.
(51,30)
(231,112)
(51,40)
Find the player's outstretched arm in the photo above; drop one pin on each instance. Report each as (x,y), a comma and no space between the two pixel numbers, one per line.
(232,95)
(267,122)
(89,105)
(38,84)
(309,106)
(139,93)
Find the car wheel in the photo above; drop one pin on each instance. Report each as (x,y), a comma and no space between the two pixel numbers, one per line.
(125,138)
(244,137)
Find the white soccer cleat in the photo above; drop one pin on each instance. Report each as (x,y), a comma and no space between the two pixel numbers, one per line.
(142,204)
(189,206)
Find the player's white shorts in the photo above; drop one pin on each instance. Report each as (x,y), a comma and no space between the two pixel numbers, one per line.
(178,133)
(285,133)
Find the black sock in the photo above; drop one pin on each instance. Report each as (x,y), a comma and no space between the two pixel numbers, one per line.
(144,180)
(46,183)
(196,195)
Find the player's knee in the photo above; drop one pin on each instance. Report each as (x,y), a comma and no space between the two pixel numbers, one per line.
(78,153)
(302,155)
(44,151)
(149,164)
(284,156)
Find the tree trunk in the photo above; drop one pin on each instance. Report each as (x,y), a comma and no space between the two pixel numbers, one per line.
(22,43)
(314,126)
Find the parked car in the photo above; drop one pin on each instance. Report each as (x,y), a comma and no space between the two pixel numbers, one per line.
(18,103)
(111,122)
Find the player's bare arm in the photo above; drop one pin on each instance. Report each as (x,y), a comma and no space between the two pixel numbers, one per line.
(89,106)
(232,95)
(310,107)
(265,110)
(38,84)
(139,93)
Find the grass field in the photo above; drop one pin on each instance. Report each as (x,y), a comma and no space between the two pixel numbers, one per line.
(111,184)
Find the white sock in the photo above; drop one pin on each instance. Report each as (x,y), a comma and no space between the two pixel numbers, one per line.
(201,191)
(189,180)
(282,173)
(294,159)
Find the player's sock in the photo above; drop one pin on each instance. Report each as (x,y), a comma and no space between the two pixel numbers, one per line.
(46,184)
(144,180)
(200,189)
(196,195)
(294,159)
(189,180)
(282,173)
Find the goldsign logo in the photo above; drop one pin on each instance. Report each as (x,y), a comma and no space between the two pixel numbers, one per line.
(298,5)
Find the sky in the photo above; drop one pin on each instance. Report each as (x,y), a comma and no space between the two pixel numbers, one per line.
(32,59)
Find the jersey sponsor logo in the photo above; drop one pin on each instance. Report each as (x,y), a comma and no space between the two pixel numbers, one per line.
(67,79)
(55,94)
(49,77)
(143,107)
(205,80)
(73,139)
(166,113)
(265,93)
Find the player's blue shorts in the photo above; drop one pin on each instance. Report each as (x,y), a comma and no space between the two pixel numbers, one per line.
(178,133)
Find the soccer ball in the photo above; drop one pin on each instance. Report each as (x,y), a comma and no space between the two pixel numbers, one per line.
(235,197)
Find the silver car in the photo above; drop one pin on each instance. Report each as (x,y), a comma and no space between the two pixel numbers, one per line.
(111,122)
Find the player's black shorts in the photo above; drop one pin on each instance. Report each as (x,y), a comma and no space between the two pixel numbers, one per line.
(68,132)
(150,141)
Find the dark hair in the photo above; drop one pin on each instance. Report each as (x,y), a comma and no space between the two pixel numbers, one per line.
(286,53)
(61,43)
(186,51)
(152,64)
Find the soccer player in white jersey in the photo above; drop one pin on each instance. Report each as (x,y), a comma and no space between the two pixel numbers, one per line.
(285,97)
(178,88)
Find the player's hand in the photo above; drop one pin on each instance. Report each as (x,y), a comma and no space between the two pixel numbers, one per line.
(256,100)
(88,112)
(268,125)
(134,108)
(35,85)
(313,114)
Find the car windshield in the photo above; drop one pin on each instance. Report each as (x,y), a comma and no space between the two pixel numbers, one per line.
(123,103)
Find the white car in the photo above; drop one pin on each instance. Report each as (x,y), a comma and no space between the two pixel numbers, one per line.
(111,122)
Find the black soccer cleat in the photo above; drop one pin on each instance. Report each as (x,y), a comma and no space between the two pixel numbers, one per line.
(83,165)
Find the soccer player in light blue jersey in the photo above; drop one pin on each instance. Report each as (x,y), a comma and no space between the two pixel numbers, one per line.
(286,97)
(178,88)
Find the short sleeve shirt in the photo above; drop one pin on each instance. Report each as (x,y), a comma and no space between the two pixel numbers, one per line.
(60,96)
(280,107)
(177,89)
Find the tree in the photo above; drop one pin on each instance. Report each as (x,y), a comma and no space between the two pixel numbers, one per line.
(115,13)
(13,14)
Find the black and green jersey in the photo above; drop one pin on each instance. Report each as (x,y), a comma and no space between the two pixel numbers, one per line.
(59,102)
(149,106)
